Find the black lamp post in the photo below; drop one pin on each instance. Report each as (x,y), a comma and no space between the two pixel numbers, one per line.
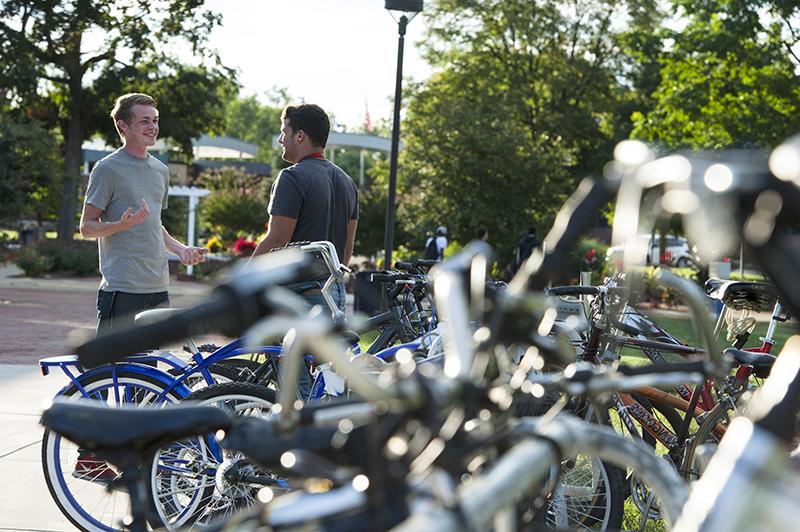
(413,7)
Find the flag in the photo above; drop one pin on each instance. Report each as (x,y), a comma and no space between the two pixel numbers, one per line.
(367,121)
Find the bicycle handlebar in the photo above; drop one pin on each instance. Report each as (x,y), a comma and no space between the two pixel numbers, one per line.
(415,264)
(391,277)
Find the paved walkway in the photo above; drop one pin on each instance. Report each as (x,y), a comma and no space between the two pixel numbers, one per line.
(25,502)
(12,277)
(39,317)
(42,317)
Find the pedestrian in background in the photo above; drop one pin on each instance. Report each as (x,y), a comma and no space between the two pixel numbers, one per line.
(435,245)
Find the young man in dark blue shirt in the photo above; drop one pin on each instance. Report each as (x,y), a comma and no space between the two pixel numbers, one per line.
(313,199)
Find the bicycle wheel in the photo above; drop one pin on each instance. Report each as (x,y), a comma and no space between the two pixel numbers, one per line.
(194,481)
(80,492)
(589,495)
(603,444)
(705,436)
(220,373)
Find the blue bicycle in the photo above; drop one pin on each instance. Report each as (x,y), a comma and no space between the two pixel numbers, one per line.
(78,481)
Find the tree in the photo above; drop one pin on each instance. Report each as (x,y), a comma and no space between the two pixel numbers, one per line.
(371,196)
(525,103)
(250,120)
(28,165)
(729,79)
(65,62)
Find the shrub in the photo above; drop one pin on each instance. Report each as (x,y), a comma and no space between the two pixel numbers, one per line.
(589,256)
(79,257)
(237,202)
(229,211)
(656,291)
(33,262)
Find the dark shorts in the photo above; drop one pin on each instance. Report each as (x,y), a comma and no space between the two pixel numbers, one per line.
(116,310)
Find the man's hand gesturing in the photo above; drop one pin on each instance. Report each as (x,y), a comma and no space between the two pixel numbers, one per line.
(130,218)
(192,255)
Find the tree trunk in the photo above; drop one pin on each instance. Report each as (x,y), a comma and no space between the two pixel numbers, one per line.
(72,171)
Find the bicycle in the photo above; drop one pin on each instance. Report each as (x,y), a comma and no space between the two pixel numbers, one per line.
(165,386)
(76,479)
(366,389)
(710,414)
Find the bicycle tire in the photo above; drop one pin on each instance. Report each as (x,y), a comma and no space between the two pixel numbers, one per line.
(624,453)
(704,434)
(77,498)
(574,506)
(604,506)
(220,373)
(195,498)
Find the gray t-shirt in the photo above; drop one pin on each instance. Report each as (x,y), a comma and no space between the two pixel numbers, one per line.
(320,196)
(133,260)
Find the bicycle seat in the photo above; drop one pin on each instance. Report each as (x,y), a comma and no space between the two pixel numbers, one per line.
(761,362)
(155,315)
(741,295)
(98,427)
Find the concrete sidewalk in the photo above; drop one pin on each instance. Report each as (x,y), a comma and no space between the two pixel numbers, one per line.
(25,502)
(13,277)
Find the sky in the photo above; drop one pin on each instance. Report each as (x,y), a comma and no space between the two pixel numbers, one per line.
(339,54)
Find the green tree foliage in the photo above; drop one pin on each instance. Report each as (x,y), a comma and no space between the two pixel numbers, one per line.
(65,62)
(526,101)
(372,193)
(29,166)
(729,79)
(191,100)
(250,120)
(237,203)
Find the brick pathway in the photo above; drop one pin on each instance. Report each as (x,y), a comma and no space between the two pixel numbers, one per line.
(42,318)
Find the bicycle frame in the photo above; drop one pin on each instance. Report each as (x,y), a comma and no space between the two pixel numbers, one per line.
(653,341)
(197,364)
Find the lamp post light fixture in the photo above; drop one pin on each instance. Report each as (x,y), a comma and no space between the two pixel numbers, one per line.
(405,7)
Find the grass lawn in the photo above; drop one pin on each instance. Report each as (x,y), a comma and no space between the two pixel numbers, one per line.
(366,339)
(683,329)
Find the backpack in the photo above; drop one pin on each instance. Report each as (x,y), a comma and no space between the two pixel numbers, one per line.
(431,250)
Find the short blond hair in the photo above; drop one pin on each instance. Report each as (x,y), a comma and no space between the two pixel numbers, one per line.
(124,104)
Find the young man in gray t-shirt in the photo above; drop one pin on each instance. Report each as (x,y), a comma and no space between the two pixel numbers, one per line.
(122,210)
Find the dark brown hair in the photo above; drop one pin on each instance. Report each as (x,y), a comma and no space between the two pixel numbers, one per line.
(311,119)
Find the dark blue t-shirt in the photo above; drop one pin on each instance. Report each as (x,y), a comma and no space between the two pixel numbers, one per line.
(320,196)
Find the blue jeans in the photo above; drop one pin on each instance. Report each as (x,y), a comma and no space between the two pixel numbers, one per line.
(338,293)
(116,310)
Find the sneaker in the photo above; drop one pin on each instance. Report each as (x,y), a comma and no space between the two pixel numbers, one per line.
(91,468)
